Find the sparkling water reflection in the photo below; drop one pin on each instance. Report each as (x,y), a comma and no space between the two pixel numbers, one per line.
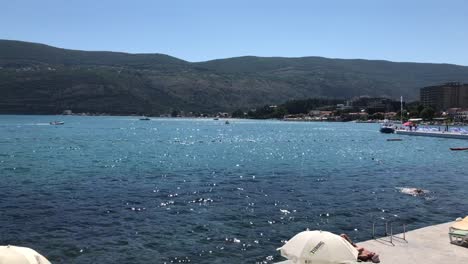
(120,190)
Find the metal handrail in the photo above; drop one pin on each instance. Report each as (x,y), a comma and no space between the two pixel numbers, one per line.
(404,232)
(389,234)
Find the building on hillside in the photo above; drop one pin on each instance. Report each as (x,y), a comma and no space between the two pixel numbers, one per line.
(320,113)
(376,104)
(458,114)
(391,115)
(461,115)
(345,106)
(354,116)
(443,97)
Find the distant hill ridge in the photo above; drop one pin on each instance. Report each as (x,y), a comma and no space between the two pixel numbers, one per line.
(37,78)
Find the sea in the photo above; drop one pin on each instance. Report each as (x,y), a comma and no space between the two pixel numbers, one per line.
(120,190)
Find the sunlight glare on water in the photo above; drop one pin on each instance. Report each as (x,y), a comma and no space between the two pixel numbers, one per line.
(120,190)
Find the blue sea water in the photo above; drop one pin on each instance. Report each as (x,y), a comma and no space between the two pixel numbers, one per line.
(120,190)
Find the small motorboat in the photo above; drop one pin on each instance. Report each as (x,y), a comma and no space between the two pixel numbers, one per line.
(394,139)
(57,123)
(145,119)
(457,149)
(387,129)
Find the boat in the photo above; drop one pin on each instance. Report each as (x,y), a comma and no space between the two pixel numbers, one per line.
(215,118)
(394,139)
(459,148)
(227,122)
(56,123)
(145,119)
(387,128)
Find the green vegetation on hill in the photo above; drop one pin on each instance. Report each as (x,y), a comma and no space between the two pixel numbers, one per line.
(36,78)
(304,106)
(291,107)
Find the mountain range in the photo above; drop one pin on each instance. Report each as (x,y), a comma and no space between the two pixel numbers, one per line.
(41,79)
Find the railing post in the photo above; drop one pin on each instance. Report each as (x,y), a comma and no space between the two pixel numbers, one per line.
(373,230)
(391,233)
(404,232)
(388,232)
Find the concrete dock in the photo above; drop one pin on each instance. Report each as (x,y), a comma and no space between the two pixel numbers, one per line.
(428,245)
(433,134)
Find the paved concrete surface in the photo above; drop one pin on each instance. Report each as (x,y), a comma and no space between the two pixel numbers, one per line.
(428,245)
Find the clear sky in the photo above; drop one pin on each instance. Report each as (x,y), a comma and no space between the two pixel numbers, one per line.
(197,30)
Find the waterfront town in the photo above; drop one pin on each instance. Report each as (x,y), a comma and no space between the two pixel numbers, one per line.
(438,104)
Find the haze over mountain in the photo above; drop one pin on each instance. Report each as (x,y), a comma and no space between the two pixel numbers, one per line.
(36,78)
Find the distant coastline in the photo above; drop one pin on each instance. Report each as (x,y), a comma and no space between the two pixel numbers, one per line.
(36,78)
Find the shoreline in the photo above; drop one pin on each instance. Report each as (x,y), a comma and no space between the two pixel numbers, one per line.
(301,120)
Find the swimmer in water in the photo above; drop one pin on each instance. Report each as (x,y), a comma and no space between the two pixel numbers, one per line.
(413,191)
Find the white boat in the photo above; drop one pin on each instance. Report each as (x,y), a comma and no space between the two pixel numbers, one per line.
(56,123)
(387,127)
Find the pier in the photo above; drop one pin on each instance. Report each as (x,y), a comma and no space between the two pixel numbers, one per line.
(428,245)
(455,135)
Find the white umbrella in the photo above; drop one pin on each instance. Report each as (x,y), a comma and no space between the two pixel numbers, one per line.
(20,255)
(319,247)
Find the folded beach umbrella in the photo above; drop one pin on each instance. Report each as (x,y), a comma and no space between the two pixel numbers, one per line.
(318,247)
(462,224)
(20,255)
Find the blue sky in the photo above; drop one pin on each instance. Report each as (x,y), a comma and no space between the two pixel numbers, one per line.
(198,30)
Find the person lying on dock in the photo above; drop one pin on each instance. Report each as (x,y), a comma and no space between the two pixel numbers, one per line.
(364,254)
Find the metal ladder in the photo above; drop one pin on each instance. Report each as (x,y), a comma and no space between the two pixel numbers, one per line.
(389,233)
